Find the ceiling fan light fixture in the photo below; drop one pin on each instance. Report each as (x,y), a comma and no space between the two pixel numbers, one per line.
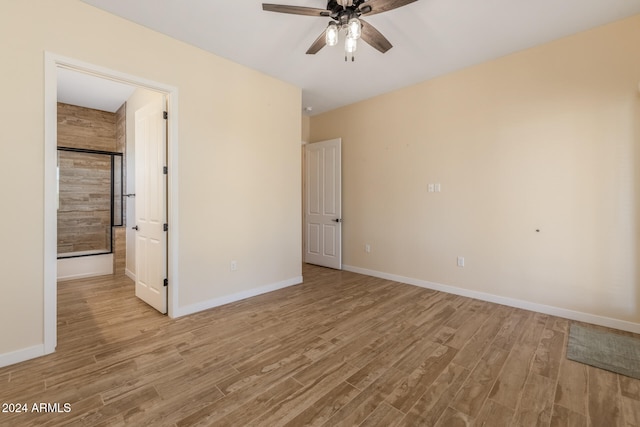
(331,34)
(350,45)
(354,30)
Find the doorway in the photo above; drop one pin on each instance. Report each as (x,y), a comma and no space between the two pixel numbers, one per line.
(54,63)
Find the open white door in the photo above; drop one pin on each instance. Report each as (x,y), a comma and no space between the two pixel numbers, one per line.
(151,190)
(323,204)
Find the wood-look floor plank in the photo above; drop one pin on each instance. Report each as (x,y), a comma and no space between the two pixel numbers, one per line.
(629,387)
(42,369)
(571,391)
(412,388)
(510,382)
(324,408)
(476,388)
(604,400)
(549,353)
(341,349)
(367,401)
(511,330)
(454,418)
(464,332)
(260,404)
(174,407)
(494,414)
(563,417)
(285,411)
(534,329)
(370,372)
(215,411)
(133,402)
(475,346)
(536,403)
(384,415)
(631,412)
(435,400)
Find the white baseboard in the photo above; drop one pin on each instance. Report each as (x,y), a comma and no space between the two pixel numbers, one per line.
(594,319)
(86,266)
(205,305)
(21,355)
(130,274)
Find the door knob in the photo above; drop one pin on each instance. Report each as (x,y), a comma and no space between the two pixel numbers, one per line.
(337,220)
(135,228)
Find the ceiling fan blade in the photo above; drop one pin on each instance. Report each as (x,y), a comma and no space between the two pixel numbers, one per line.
(296,10)
(318,44)
(374,37)
(372,7)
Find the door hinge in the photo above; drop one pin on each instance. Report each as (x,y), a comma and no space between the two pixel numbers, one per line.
(165,170)
(165,227)
(165,115)
(166,282)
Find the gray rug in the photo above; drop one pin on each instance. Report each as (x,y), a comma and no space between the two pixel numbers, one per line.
(606,350)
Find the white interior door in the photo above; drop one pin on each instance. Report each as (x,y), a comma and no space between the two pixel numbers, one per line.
(323,203)
(151,190)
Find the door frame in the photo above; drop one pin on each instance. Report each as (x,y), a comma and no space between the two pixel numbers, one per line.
(52,62)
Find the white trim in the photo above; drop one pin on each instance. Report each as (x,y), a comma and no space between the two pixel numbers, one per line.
(51,63)
(129,274)
(50,206)
(594,319)
(172,202)
(216,302)
(21,355)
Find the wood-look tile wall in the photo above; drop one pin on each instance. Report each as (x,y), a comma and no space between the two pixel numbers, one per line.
(119,249)
(119,233)
(121,128)
(80,127)
(84,213)
(84,210)
(121,147)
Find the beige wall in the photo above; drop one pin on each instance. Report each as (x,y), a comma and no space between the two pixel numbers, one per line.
(545,139)
(239,185)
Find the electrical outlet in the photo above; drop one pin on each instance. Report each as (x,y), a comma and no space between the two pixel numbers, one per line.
(233,265)
(367,248)
(460,261)
(437,187)
(431,188)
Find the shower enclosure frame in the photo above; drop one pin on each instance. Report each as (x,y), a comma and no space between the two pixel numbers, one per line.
(113,222)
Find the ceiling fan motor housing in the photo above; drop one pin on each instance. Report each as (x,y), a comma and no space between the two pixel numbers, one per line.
(343,10)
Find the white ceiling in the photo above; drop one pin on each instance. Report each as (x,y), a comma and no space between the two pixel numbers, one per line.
(430,38)
(85,90)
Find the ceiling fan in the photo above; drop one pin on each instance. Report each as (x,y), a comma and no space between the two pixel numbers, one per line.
(345,15)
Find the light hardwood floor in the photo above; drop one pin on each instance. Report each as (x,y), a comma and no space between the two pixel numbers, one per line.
(340,349)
